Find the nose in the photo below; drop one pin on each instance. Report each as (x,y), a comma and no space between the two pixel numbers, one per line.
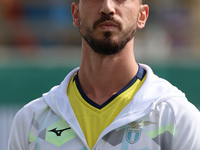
(107,7)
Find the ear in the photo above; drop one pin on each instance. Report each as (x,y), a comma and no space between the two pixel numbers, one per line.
(143,15)
(75,13)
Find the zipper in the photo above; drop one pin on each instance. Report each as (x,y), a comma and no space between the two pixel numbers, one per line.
(126,120)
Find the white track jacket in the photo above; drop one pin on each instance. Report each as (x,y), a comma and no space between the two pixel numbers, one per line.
(159,117)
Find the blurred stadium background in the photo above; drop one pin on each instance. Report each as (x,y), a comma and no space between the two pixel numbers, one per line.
(39,46)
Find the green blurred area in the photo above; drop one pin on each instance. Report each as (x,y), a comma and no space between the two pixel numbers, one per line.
(20,85)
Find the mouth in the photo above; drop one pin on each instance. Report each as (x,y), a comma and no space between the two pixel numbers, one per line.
(108,25)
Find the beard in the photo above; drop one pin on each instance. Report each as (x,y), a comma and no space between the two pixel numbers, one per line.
(107,45)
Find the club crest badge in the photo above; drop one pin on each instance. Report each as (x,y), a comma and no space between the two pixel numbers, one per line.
(135,130)
(133,135)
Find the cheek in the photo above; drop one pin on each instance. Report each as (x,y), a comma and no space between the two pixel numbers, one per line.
(86,24)
(87,20)
(129,11)
(131,17)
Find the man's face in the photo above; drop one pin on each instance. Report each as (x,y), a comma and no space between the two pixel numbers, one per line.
(108,25)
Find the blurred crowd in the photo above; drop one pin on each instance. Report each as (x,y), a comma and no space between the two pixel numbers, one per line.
(28,23)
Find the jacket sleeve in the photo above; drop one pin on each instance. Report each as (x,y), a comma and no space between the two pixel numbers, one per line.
(18,139)
(187,129)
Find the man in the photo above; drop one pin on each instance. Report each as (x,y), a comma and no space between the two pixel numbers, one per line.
(110,102)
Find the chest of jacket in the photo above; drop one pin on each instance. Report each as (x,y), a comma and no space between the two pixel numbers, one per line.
(148,132)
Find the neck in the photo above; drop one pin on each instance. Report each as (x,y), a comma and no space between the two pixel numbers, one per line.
(102,76)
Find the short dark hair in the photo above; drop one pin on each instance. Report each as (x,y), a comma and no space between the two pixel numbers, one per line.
(143,1)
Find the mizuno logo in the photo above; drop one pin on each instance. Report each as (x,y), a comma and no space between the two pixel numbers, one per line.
(58,132)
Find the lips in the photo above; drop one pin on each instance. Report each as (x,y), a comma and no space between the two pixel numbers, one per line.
(108,25)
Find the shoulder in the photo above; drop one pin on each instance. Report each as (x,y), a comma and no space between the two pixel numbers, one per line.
(187,123)
(21,125)
(27,112)
(184,110)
